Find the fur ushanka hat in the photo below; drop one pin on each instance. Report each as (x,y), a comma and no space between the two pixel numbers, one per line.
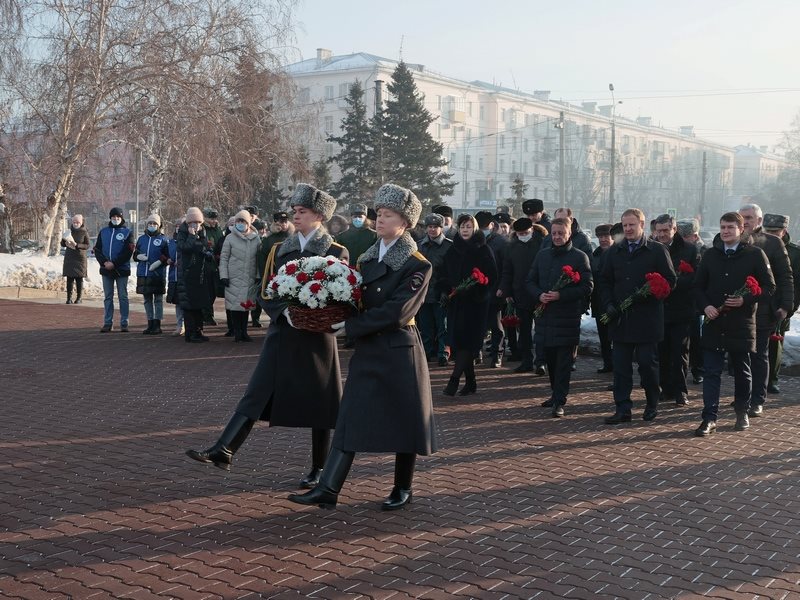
(308,196)
(400,200)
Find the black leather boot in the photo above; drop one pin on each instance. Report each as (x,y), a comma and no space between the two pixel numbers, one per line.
(320,440)
(149,329)
(244,318)
(229,320)
(156,327)
(231,439)
(403,475)
(326,494)
(470,383)
(452,386)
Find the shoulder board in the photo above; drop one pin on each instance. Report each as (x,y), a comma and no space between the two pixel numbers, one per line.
(337,245)
(419,256)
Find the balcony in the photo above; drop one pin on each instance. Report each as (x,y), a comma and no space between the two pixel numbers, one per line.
(457,116)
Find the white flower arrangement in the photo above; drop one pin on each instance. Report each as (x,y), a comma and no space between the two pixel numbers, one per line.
(316,282)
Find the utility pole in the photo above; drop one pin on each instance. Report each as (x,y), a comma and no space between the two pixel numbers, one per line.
(611,189)
(562,175)
(702,206)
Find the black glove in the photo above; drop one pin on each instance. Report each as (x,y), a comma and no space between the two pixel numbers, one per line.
(612,312)
(225,281)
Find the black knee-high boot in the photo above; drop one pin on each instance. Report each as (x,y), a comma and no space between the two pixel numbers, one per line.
(229,322)
(470,383)
(78,289)
(326,494)
(69,290)
(320,440)
(231,439)
(462,359)
(403,475)
(244,318)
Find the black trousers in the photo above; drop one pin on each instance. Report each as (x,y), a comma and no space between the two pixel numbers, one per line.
(498,333)
(78,281)
(647,356)
(759,365)
(695,350)
(192,322)
(559,369)
(525,335)
(605,343)
(673,358)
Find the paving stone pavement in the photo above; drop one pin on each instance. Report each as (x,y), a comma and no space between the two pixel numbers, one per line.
(98,500)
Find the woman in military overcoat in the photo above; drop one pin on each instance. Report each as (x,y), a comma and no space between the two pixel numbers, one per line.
(297,381)
(386,406)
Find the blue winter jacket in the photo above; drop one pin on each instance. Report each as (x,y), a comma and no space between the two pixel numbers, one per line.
(156,248)
(172,274)
(114,244)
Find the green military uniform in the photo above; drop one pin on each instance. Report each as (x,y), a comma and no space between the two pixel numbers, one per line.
(266,245)
(357,240)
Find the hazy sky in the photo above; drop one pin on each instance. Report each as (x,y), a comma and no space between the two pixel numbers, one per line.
(730,68)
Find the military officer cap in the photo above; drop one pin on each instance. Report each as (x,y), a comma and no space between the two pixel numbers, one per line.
(772,221)
(280,216)
(533,206)
(434,220)
(522,224)
(603,229)
(502,217)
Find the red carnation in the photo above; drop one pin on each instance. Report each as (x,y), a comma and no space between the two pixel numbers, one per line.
(356,293)
(685,267)
(475,278)
(655,285)
(568,275)
(753,285)
(275,285)
(315,288)
(330,262)
(319,275)
(291,268)
(351,279)
(247,305)
(302,277)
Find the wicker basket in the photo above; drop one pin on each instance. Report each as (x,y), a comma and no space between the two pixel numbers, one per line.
(319,320)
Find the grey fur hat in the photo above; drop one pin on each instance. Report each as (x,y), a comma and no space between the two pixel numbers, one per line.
(772,221)
(308,196)
(687,227)
(434,220)
(400,200)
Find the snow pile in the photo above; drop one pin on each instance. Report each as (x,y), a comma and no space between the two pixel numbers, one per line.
(34,270)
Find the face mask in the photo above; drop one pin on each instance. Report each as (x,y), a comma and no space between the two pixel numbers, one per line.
(116,221)
(241,227)
(525,238)
(152,228)
(486,232)
(358,221)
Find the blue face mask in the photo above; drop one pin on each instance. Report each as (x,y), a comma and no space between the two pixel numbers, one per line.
(152,228)
(358,221)
(486,232)
(241,227)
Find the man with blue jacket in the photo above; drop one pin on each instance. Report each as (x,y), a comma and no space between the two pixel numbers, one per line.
(113,250)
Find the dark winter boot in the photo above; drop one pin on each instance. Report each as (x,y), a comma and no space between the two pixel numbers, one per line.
(156,327)
(229,321)
(78,290)
(69,291)
(236,325)
(244,317)
(452,386)
(69,299)
(470,383)
(233,436)
(320,440)
(149,329)
(403,474)
(326,494)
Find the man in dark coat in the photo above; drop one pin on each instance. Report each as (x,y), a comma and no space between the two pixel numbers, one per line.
(778,225)
(213,234)
(534,210)
(297,381)
(560,323)
(497,244)
(772,309)
(730,318)
(281,229)
(636,332)
(432,318)
(679,312)
(689,230)
(603,233)
(578,238)
(113,250)
(520,254)
(450,231)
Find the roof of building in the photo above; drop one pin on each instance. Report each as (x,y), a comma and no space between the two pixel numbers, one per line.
(345,62)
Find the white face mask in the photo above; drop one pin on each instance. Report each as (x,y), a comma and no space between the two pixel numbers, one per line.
(486,232)
(525,238)
(116,221)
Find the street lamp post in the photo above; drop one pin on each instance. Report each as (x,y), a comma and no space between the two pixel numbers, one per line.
(611,198)
(466,167)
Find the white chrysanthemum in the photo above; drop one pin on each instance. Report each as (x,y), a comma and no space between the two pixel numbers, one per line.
(314,263)
(340,290)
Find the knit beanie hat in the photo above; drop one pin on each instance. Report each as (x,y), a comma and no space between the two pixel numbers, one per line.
(154,218)
(400,200)
(244,215)
(194,214)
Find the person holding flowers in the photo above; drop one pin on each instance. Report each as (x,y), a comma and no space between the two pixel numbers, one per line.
(679,312)
(469,272)
(387,404)
(637,274)
(297,381)
(560,280)
(238,275)
(732,275)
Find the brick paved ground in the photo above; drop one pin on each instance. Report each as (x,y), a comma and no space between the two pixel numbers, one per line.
(97,499)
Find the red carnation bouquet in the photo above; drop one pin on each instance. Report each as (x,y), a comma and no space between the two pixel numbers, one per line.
(777,335)
(655,285)
(510,318)
(475,278)
(751,287)
(568,276)
(685,267)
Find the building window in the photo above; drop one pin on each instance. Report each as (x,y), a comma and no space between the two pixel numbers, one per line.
(452,158)
(328,124)
(502,141)
(328,92)
(501,190)
(438,103)
(514,143)
(469,108)
(536,192)
(546,194)
(304,96)
(481,113)
(502,167)
(503,115)
(546,173)
(480,163)
(344,89)
(514,167)
(329,150)
(536,170)
(438,131)
(524,168)
(469,134)
(469,161)
(525,144)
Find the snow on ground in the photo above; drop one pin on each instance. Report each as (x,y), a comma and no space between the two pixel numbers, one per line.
(34,270)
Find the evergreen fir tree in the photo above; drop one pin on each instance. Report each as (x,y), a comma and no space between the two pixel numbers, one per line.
(518,188)
(356,154)
(321,173)
(414,159)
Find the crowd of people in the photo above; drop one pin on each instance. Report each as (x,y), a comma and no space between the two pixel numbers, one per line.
(485,288)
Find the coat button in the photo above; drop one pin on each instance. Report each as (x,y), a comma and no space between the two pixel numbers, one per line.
(363,287)
(379,290)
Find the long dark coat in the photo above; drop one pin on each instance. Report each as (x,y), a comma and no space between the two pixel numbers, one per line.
(499,246)
(297,381)
(720,275)
(434,252)
(597,259)
(623,273)
(560,323)
(519,258)
(783,296)
(196,269)
(75,258)
(679,306)
(387,404)
(467,312)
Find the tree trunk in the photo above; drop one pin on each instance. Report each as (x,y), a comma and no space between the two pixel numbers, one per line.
(52,232)
(155,196)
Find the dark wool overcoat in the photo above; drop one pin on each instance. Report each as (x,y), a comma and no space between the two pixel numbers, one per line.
(467,312)
(196,268)
(387,405)
(720,275)
(783,296)
(498,245)
(434,252)
(623,273)
(297,381)
(518,260)
(597,259)
(679,306)
(560,323)
(75,258)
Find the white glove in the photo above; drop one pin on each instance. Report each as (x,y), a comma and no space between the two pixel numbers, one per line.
(338,328)
(154,266)
(141,257)
(288,318)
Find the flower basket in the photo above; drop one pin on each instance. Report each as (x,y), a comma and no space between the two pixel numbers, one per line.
(319,320)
